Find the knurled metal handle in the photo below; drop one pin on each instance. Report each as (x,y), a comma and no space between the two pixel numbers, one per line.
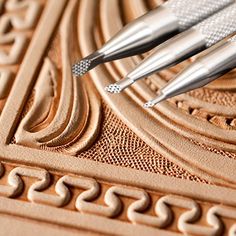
(191,12)
(218,26)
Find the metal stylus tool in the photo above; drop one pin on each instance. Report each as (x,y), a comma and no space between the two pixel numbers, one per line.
(201,72)
(151,29)
(182,46)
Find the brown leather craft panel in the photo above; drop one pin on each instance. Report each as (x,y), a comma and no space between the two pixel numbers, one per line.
(76,160)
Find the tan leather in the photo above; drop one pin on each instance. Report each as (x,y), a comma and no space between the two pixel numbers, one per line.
(76,160)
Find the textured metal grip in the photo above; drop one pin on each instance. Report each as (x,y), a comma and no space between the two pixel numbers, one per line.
(218,26)
(191,12)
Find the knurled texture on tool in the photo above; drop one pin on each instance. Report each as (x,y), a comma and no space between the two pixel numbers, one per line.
(219,26)
(190,12)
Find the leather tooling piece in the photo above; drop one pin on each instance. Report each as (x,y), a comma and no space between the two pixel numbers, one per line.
(75,157)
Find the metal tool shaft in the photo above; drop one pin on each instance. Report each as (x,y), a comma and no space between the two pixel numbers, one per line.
(150,30)
(182,46)
(203,71)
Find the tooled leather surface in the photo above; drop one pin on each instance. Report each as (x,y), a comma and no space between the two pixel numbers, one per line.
(118,145)
(92,131)
(15,33)
(105,133)
(69,102)
(206,115)
(135,212)
(70,120)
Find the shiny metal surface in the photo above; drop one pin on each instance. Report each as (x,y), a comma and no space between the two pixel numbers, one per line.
(151,29)
(189,14)
(142,34)
(169,53)
(182,46)
(204,70)
(219,26)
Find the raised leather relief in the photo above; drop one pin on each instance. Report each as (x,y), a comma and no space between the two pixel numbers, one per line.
(16,30)
(64,111)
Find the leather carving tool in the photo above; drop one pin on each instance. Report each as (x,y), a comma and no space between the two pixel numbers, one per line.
(151,29)
(182,46)
(201,72)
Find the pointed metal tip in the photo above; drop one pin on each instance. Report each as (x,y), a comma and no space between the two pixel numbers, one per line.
(148,104)
(86,64)
(113,88)
(81,67)
(154,101)
(119,86)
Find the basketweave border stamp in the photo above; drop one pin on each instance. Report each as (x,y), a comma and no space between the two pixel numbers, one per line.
(153,199)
